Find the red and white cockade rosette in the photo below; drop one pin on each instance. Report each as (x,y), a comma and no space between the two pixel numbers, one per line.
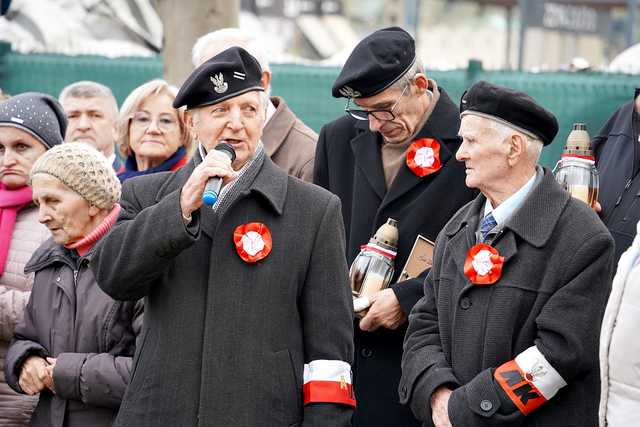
(253,241)
(483,265)
(423,156)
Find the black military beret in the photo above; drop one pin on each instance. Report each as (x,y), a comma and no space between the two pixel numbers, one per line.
(376,63)
(230,73)
(508,105)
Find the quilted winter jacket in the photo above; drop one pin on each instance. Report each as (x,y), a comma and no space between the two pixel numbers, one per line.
(619,344)
(15,287)
(70,318)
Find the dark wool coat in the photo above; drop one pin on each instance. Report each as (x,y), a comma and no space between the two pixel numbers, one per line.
(617,153)
(92,336)
(348,163)
(225,341)
(552,294)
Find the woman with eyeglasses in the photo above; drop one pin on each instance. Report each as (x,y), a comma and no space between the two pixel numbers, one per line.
(152,135)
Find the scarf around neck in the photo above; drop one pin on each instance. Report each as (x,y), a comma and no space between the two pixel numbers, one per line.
(131,166)
(83,245)
(11,201)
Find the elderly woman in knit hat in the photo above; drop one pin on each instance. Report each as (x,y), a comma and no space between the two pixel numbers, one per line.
(30,124)
(75,344)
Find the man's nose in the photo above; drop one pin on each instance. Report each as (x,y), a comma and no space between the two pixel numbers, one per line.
(235,119)
(461,154)
(84,122)
(375,124)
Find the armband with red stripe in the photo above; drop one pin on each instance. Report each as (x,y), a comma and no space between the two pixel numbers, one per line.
(529,380)
(328,381)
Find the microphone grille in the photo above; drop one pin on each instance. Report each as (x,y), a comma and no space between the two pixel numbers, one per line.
(227,148)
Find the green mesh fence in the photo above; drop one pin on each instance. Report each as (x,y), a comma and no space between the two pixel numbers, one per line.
(50,73)
(590,98)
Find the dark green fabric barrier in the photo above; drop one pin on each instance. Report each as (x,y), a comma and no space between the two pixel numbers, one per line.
(589,98)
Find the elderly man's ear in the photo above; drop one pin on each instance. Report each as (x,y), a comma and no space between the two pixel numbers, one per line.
(266,79)
(517,149)
(188,119)
(422,83)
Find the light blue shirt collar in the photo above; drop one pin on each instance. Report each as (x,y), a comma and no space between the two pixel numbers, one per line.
(506,208)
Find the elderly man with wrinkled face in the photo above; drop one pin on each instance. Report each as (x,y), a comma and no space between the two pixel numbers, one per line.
(508,330)
(390,156)
(248,306)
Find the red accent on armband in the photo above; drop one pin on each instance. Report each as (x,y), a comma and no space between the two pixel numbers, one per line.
(522,392)
(328,392)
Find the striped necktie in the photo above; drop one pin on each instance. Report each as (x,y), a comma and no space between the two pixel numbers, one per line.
(488,222)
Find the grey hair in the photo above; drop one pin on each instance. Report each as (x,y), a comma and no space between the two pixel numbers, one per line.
(88,89)
(226,38)
(533,146)
(408,76)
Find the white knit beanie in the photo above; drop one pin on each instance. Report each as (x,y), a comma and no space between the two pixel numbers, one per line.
(84,170)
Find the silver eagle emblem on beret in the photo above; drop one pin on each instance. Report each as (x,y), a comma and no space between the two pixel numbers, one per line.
(219,85)
(349,92)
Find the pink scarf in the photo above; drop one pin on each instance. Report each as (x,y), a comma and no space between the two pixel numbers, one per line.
(83,245)
(11,201)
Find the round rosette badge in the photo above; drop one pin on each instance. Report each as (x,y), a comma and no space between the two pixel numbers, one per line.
(253,241)
(423,156)
(483,265)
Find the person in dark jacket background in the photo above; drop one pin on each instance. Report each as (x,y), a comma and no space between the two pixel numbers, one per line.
(617,152)
(507,333)
(364,158)
(74,346)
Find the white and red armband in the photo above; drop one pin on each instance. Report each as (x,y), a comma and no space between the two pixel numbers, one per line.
(328,381)
(529,380)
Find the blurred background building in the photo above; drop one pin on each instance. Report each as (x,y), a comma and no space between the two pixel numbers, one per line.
(577,57)
(503,34)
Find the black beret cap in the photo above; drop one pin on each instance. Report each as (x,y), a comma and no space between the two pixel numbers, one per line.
(516,108)
(376,63)
(38,114)
(230,73)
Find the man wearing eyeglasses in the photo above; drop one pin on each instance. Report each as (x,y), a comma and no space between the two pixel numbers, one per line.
(390,156)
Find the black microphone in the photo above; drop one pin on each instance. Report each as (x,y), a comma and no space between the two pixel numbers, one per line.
(212,189)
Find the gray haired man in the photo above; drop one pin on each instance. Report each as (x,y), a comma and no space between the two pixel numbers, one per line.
(92,111)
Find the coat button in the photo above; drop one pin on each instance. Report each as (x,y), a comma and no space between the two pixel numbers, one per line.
(465,303)
(486,405)
(404,391)
(366,352)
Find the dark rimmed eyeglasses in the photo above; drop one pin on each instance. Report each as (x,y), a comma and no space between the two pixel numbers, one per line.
(385,114)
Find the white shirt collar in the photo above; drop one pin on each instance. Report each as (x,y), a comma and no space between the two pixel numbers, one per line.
(506,208)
